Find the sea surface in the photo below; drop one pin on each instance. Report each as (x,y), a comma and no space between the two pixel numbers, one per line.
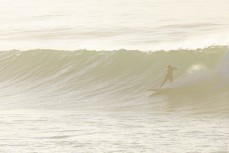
(113,24)
(77,76)
(99,101)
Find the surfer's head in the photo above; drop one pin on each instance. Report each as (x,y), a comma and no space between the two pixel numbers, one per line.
(169,66)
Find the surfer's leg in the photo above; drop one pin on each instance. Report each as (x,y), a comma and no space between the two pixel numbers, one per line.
(166,78)
(171,79)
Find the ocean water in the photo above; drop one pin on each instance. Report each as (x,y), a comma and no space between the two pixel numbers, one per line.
(90,101)
(114,24)
(77,76)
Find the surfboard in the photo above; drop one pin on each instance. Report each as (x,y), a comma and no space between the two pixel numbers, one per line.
(160,91)
(155,89)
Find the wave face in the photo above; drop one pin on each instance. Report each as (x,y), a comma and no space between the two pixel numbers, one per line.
(114,79)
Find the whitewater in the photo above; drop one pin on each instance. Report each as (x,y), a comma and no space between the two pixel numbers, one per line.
(77,76)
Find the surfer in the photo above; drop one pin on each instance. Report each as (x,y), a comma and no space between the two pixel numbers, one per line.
(169,75)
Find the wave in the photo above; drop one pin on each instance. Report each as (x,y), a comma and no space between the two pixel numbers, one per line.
(117,79)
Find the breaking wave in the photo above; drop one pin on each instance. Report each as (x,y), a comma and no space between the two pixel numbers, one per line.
(118,79)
